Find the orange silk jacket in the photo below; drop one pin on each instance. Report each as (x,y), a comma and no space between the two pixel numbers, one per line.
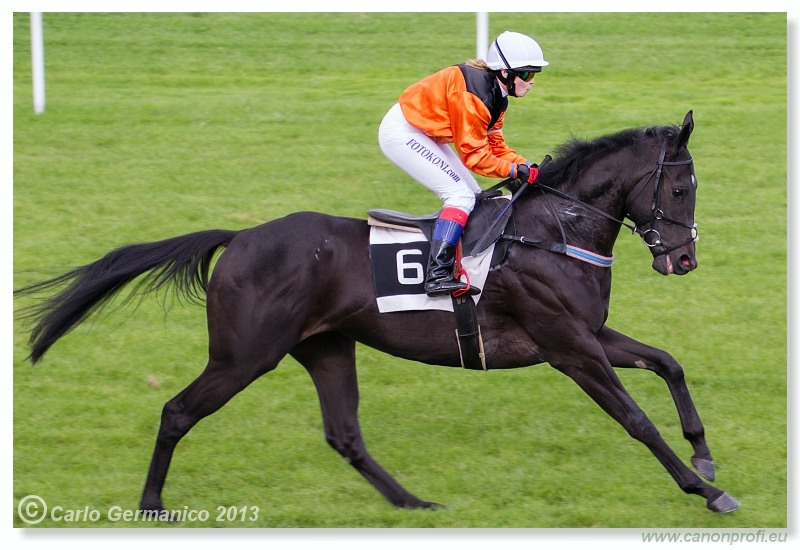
(464,106)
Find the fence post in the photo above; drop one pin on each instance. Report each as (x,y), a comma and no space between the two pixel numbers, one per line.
(482,36)
(37,61)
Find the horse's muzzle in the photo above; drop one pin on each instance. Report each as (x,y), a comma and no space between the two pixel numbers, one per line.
(677,262)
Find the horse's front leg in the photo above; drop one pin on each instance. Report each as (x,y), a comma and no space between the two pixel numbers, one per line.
(591,371)
(625,352)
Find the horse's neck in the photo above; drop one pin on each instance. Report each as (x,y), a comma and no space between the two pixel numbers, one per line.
(605,187)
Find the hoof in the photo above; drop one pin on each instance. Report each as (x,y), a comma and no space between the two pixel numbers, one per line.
(704,467)
(422,504)
(723,504)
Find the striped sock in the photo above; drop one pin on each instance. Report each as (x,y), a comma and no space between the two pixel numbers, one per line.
(450,224)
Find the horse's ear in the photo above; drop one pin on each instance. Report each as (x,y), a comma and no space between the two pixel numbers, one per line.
(686,131)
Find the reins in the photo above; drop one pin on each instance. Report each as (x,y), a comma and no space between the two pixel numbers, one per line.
(657,214)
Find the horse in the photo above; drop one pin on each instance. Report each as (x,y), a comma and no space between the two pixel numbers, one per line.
(302,286)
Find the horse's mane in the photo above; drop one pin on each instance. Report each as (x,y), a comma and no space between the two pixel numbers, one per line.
(577,155)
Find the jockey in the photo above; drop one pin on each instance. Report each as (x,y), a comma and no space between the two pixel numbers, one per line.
(464,105)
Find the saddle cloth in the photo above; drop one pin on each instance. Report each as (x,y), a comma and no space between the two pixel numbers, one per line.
(399,263)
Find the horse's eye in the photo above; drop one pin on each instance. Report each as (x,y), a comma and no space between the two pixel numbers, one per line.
(679,193)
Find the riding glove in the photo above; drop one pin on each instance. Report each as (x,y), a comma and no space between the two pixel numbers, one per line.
(526,172)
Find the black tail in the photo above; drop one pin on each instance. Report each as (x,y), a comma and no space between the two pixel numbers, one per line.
(184,261)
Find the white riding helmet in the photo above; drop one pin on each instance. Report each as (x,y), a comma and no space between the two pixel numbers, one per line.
(513,50)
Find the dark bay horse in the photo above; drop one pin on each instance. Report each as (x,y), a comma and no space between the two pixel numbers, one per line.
(302,285)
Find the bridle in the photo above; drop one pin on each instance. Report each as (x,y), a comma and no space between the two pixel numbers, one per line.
(650,236)
(656,213)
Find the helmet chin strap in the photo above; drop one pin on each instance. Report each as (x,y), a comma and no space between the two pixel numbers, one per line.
(510,81)
(512,76)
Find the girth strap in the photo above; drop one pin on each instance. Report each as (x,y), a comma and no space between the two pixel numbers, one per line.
(468,333)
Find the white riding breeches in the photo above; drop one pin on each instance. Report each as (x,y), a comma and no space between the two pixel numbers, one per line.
(434,165)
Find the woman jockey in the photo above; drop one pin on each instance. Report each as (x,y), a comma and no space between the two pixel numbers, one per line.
(464,105)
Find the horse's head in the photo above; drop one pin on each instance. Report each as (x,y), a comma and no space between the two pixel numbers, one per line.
(662,205)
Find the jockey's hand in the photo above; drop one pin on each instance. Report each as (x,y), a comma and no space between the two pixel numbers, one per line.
(527,174)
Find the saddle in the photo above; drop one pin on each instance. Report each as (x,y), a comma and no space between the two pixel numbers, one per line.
(483,227)
(486,224)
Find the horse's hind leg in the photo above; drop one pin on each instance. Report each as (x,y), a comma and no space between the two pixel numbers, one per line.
(625,352)
(215,386)
(246,341)
(330,360)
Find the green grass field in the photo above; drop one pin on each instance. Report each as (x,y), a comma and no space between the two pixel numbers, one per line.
(164,124)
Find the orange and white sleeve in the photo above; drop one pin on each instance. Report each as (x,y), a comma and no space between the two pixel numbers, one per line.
(469,119)
(498,143)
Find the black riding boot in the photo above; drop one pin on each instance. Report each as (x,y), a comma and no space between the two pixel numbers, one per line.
(440,279)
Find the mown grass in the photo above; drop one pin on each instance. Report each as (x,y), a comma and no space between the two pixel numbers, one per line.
(163,124)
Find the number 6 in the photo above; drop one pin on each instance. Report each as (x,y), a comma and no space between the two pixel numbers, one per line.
(416,267)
